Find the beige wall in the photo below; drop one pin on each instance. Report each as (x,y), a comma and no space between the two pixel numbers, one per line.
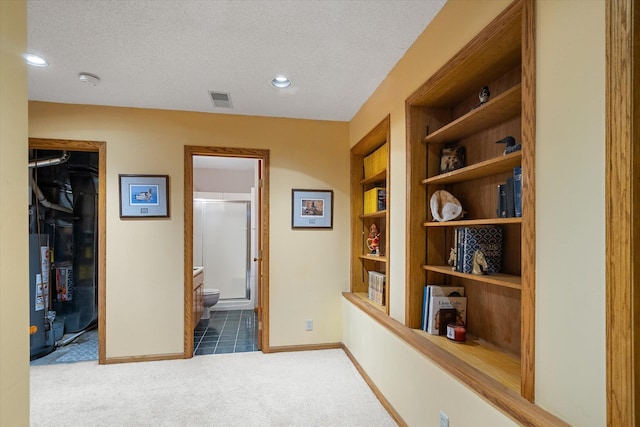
(145,312)
(570,156)
(14,249)
(145,292)
(570,341)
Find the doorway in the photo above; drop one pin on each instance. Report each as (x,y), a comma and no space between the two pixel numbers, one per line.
(67,234)
(239,217)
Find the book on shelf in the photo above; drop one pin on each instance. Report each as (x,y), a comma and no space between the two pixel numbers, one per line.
(459,239)
(431,291)
(517,191)
(488,239)
(382,200)
(375,200)
(443,310)
(502,201)
(376,287)
(510,196)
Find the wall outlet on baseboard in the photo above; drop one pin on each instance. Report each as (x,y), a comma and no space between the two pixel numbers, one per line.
(309,325)
(444,420)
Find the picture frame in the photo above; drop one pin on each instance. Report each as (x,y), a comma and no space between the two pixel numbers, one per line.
(311,209)
(452,158)
(144,196)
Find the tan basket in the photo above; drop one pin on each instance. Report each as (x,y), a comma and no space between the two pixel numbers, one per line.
(371,200)
(376,162)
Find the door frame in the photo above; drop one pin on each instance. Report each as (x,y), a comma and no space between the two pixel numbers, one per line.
(99,147)
(262,270)
(623,216)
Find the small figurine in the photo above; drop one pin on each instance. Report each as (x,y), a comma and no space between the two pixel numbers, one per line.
(510,142)
(373,241)
(479,263)
(484,95)
(452,258)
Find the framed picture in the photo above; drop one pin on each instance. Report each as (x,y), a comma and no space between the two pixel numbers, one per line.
(311,208)
(452,158)
(144,196)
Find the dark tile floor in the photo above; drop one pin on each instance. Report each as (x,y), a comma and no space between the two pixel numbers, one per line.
(226,332)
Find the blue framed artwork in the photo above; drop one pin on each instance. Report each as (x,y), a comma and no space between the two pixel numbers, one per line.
(144,196)
(311,208)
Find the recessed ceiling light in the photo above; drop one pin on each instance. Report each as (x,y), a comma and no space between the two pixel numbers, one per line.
(91,79)
(35,60)
(281,82)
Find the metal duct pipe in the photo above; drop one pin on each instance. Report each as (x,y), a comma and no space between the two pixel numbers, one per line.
(50,162)
(43,200)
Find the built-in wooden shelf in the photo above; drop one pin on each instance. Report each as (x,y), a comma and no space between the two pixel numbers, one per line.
(502,367)
(367,155)
(497,110)
(365,297)
(377,258)
(379,214)
(489,167)
(474,222)
(497,279)
(379,177)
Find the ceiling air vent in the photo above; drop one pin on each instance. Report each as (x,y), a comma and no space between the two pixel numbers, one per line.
(221,99)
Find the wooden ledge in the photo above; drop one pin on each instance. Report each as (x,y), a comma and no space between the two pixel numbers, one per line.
(502,397)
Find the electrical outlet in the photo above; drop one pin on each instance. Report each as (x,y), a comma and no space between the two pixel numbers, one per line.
(444,420)
(309,325)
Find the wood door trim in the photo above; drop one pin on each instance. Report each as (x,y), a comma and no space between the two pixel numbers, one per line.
(99,147)
(263,291)
(622,231)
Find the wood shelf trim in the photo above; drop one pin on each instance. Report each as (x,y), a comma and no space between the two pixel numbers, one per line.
(498,279)
(479,170)
(379,214)
(373,258)
(496,393)
(497,110)
(379,177)
(473,222)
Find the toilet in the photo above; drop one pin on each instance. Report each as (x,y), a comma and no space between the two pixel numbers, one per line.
(211,297)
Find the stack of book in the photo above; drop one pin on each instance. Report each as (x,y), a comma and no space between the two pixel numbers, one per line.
(487,239)
(376,287)
(443,305)
(510,196)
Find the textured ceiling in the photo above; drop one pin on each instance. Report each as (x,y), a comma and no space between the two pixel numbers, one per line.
(167,54)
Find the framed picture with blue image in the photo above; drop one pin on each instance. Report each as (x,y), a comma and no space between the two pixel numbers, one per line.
(144,196)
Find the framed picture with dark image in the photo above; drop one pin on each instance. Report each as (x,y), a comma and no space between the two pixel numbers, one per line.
(311,208)
(451,158)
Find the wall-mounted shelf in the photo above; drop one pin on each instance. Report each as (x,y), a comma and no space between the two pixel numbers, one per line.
(500,306)
(362,261)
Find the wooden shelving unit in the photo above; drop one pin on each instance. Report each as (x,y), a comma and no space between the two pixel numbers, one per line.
(445,112)
(362,261)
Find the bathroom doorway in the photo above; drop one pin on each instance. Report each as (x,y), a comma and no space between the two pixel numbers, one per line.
(226,230)
(67,214)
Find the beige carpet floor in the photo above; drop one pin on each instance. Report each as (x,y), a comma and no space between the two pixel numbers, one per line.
(310,388)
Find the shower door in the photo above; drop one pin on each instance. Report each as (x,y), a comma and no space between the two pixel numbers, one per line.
(226,231)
